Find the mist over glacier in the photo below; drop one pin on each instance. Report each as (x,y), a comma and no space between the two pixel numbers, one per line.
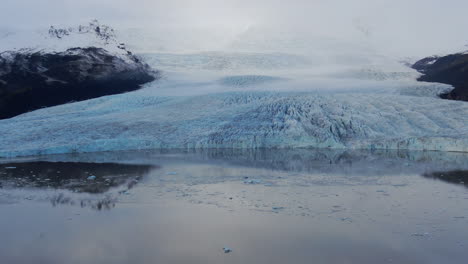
(400,28)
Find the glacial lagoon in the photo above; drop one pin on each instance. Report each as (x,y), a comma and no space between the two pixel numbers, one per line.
(264,206)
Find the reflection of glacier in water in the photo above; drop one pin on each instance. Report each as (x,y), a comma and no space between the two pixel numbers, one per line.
(301,166)
(74,176)
(455,177)
(340,202)
(65,181)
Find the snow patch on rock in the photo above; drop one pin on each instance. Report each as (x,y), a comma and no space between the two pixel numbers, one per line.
(62,38)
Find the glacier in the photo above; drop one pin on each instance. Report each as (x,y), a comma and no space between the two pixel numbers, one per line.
(336,96)
(283,105)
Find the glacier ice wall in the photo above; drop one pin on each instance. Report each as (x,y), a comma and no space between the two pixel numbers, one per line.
(240,119)
(250,102)
(280,92)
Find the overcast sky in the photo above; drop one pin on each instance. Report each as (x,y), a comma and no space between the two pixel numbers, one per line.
(407,27)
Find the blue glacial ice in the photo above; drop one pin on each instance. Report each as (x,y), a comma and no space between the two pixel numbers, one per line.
(271,104)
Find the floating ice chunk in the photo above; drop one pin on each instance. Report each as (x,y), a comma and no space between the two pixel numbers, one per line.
(10,168)
(227,250)
(91,178)
(278,208)
(252,181)
(171,173)
(420,234)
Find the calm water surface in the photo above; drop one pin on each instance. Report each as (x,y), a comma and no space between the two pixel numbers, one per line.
(268,206)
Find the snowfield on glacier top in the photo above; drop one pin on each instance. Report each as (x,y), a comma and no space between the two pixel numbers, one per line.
(330,96)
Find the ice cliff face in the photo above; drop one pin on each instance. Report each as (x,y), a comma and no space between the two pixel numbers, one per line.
(293,112)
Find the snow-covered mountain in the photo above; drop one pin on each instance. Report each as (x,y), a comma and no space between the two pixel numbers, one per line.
(57,38)
(66,64)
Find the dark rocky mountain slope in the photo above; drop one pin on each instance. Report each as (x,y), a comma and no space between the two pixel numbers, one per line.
(451,69)
(30,80)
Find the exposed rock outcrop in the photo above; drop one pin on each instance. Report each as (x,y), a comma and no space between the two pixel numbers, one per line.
(31,80)
(100,31)
(451,69)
